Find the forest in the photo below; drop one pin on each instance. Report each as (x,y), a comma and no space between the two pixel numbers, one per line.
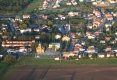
(13,6)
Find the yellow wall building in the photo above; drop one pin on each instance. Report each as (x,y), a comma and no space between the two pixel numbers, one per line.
(39,49)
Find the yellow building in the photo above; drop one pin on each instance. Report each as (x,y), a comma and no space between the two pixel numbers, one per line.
(65,38)
(39,49)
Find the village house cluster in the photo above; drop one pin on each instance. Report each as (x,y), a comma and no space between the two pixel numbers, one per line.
(98,20)
(56,3)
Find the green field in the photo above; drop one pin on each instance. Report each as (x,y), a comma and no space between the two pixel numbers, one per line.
(3,66)
(49,60)
(35,4)
(8,72)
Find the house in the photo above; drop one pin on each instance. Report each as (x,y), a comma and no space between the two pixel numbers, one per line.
(9,51)
(76,13)
(65,38)
(36,29)
(101,55)
(97,22)
(113,41)
(89,25)
(88,33)
(4,28)
(108,24)
(79,33)
(76,49)
(97,12)
(18,43)
(61,16)
(109,16)
(22,49)
(107,29)
(81,0)
(74,2)
(1,56)
(56,5)
(58,36)
(108,38)
(1,32)
(116,33)
(91,49)
(108,48)
(115,14)
(18,18)
(82,42)
(72,34)
(44,17)
(16,26)
(114,50)
(28,29)
(4,37)
(71,14)
(57,58)
(44,26)
(37,36)
(68,54)
(68,3)
(22,30)
(54,45)
(39,49)
(102,41)
(26,16)
(25,30)
(110,54)
(112,1)
(92,36)
(89,55)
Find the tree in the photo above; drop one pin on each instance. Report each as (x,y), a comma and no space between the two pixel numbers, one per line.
(53,36)
(10,59)
(23,26)
(24,37)
(34,46)
(53,46)
(94,55)
(50,23)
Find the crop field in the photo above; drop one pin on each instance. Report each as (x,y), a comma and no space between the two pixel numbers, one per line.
(46,68)
(64,72)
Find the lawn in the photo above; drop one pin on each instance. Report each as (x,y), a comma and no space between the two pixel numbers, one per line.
(3,66)
(8,72)
(49,60)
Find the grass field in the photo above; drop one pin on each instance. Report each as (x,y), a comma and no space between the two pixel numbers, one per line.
(32,6)
(3,66)
(8,72)
(49,60)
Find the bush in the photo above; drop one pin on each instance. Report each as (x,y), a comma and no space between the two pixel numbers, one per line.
(10,59)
